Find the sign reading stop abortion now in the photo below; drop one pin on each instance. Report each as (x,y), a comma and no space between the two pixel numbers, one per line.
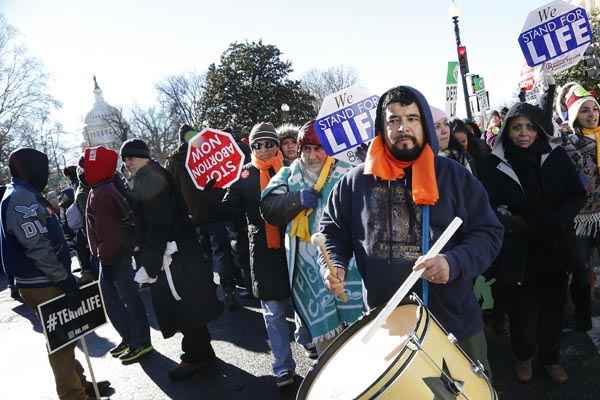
(214,155)
(555,36)
(63,326)
(345,121)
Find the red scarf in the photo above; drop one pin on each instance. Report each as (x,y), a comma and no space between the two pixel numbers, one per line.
(273,232)
(382,164)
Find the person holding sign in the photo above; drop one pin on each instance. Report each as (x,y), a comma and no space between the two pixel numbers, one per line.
(536,192)
(35,253)
(267,256)
(295,198)
(385,212)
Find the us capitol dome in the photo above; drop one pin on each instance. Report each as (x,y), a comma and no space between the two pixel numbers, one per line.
(103,124)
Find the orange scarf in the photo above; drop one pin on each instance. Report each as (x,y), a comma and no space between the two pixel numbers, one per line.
(273,232)
(382,164)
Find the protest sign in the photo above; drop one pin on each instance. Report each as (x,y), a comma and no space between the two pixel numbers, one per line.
(214,155)
(346,120)
(555,35)
(452,88)
(63,326)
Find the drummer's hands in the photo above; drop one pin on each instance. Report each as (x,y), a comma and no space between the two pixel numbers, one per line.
(334,280)
(436,269)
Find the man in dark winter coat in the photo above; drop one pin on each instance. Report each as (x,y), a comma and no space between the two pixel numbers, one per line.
(162,222)
(535,189)
(208,215)
(268,265)
(111,237)
(378,213)
(35,253)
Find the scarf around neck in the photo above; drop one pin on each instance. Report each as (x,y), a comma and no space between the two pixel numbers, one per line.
(273,232)
(300,226)
(381,163)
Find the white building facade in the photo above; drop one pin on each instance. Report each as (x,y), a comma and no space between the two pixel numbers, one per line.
(104,124)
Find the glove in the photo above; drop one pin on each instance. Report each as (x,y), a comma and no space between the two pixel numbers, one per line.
(142,277)
(309,198)
(72,295)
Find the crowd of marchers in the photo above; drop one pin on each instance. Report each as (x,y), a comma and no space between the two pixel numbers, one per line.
(527,189)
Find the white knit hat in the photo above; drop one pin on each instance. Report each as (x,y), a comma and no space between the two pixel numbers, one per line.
(574,99)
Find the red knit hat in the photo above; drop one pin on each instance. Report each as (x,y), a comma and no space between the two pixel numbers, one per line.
(308,135)
(99,164)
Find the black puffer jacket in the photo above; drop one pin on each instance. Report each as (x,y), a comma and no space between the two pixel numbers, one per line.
(536,194)
(160,218)
(268,267)
(205,206)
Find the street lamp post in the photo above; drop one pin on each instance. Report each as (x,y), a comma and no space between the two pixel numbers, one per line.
(285,111)
(461,51)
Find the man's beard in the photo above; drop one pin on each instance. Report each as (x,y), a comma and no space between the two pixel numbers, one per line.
(407,154)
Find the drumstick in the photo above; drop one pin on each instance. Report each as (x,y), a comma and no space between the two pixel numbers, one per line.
(318,240)
(412,279)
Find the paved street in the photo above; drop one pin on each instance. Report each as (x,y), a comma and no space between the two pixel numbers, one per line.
(244,370)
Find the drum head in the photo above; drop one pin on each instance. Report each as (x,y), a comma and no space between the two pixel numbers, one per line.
(349,367)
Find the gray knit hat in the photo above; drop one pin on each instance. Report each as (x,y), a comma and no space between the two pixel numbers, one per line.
(263,130)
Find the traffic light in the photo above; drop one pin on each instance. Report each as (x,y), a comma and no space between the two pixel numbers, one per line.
(462,59)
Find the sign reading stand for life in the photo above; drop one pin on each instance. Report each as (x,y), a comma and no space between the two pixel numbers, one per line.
(555,35)
(63,326)
(346,123)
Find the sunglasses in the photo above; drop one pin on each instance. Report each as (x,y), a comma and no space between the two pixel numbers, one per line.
(259,145)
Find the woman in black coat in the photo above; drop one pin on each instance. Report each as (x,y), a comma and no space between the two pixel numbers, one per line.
(536,192)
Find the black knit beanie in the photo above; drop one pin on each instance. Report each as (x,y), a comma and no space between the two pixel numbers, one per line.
(134,148)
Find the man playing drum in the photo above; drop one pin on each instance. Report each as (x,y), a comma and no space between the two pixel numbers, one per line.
(386,211)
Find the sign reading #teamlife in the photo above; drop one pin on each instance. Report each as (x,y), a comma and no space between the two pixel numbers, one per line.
(345,121)
(555,35)
(63,326)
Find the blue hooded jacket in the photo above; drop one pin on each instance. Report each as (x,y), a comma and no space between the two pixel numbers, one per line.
(352,215)
(32,246)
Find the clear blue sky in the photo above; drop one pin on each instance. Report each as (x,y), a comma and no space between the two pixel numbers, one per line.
(130,45)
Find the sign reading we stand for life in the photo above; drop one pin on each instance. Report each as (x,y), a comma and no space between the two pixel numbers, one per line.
(214,155)
(555,35)
(346,120)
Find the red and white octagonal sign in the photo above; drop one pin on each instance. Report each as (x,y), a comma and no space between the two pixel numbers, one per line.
(214,154)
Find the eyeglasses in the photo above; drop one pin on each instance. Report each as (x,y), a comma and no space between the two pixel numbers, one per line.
(269,144)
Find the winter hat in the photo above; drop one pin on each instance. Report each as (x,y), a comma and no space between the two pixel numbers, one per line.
(560,107)
(29,165)
(437,114)
(574,99)
(99,164)
(263,130)
(308,135)
(134,148)
(287,131)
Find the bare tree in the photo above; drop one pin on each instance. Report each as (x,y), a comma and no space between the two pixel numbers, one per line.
(23,92)
(118,125)
(181,96)
(48,137)
(321,83)
(157,129)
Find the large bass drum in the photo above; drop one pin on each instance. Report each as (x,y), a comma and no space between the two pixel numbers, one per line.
(410,357)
